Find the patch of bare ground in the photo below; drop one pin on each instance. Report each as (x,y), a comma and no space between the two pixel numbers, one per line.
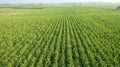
(10,12)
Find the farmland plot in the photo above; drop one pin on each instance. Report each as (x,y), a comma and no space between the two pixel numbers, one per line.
(60,36)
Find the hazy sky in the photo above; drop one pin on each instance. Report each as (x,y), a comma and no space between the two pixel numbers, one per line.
(55,1)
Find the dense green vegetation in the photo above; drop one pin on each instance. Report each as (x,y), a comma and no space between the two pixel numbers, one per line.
(118,7)
(60,36)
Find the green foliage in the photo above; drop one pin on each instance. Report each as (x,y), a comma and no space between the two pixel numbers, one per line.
(59,36)
(118,7)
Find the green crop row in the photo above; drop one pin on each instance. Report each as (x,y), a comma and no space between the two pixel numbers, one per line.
(60,36)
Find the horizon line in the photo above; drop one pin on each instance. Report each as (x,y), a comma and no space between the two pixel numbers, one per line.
(68,3)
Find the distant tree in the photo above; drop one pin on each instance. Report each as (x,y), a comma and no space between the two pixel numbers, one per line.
(118,7)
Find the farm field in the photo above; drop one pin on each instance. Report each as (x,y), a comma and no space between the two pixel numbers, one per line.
(59,36)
